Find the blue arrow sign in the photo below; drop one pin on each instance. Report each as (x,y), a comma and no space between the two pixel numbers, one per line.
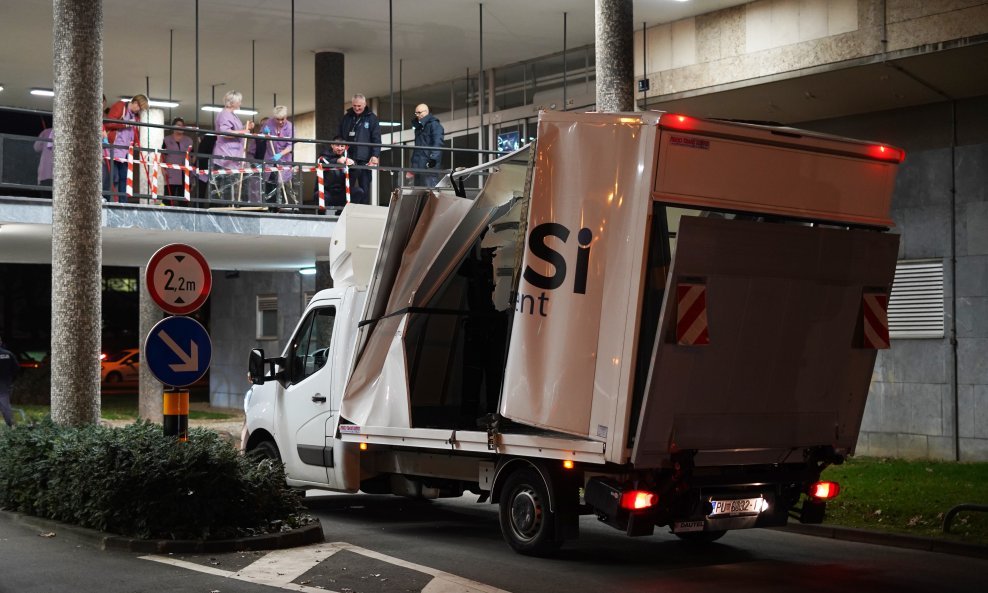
(178,351)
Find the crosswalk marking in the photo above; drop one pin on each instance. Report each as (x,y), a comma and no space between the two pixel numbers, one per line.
(280,567)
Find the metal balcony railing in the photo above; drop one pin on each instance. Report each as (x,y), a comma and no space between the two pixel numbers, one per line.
(199,179)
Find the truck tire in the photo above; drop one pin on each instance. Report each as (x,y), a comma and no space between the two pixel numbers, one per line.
(527,524)
(114,377)
(701,537)
(265,450)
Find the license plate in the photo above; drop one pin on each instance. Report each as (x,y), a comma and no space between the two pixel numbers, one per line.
(738,506)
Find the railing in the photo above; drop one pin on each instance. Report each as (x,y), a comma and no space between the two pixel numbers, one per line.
(948,518)
(199,179)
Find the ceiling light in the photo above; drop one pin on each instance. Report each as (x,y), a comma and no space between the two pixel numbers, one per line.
(165,103)
(1,88)
(213,108)
(245,111)
(307,271)
(43,92)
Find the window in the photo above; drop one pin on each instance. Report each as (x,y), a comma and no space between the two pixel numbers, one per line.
(267,317)
(916,302)
(309,350)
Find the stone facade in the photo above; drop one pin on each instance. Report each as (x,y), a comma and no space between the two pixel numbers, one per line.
(233,326)
(787,37)
(911,405)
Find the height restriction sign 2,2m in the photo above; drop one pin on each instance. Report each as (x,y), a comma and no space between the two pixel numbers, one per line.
(178,279)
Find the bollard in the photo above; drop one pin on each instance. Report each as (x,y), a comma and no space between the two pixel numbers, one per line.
(175,407)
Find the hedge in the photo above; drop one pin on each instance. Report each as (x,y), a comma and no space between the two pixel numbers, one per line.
(135,482)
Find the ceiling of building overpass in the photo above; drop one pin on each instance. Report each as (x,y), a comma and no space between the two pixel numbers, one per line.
(435,40)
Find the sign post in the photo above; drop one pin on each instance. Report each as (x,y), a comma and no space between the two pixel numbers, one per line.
(178,279)
(178,349)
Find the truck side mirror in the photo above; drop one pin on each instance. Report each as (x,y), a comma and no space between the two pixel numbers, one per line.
(255,366)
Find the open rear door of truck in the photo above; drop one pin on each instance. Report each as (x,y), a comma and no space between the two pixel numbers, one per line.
(766,341)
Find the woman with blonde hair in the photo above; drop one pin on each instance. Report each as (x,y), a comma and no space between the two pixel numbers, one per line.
(226,185)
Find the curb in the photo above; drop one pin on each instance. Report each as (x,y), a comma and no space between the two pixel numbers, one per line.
(310,534)
(896,540)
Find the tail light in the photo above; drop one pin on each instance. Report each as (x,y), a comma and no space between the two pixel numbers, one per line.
(677,121)
(887,153)
(824,490)
(635,500)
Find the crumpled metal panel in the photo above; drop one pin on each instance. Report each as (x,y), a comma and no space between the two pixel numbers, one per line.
(429,233)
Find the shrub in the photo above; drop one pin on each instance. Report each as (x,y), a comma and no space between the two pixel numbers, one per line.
(33,387)
(134,481)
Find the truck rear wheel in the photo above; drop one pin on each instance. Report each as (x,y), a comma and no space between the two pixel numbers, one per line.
(701,537)
(527,523)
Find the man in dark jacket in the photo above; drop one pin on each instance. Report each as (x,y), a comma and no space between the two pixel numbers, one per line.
(428,134)
(360,124)
(9,368)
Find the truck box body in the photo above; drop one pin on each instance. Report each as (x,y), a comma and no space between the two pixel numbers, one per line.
(659,319)
(784,367)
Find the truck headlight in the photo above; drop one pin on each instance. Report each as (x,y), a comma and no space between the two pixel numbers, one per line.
(247,395)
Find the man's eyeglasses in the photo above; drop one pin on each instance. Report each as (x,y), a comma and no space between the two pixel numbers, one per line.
(419,112)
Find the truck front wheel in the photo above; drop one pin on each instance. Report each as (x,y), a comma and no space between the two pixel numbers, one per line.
(265,450)
(527,523)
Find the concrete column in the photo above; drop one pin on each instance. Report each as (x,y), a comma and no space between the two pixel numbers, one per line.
(149,389)
(329,93)
(614,37)
(77,254)
(324,279)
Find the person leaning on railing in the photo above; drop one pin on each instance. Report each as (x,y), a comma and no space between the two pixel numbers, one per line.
(121,136)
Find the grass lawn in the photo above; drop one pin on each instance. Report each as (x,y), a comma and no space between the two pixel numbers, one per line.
(115,408)
(910,497)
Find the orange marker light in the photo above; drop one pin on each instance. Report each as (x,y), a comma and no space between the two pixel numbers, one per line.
(568,464)
(363,446)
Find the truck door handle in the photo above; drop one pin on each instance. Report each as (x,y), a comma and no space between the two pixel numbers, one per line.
(319,399)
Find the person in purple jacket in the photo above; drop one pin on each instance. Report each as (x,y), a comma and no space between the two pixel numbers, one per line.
(282,180)
(45,147)
(225,185)
(175,145)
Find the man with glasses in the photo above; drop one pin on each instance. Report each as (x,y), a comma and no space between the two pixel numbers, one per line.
(428,135)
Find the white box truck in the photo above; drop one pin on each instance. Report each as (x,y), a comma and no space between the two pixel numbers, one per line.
(653,318)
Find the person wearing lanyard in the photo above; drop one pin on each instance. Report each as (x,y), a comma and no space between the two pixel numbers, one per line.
(360,124)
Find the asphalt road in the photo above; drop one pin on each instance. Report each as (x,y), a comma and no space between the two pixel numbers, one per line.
(379,544)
